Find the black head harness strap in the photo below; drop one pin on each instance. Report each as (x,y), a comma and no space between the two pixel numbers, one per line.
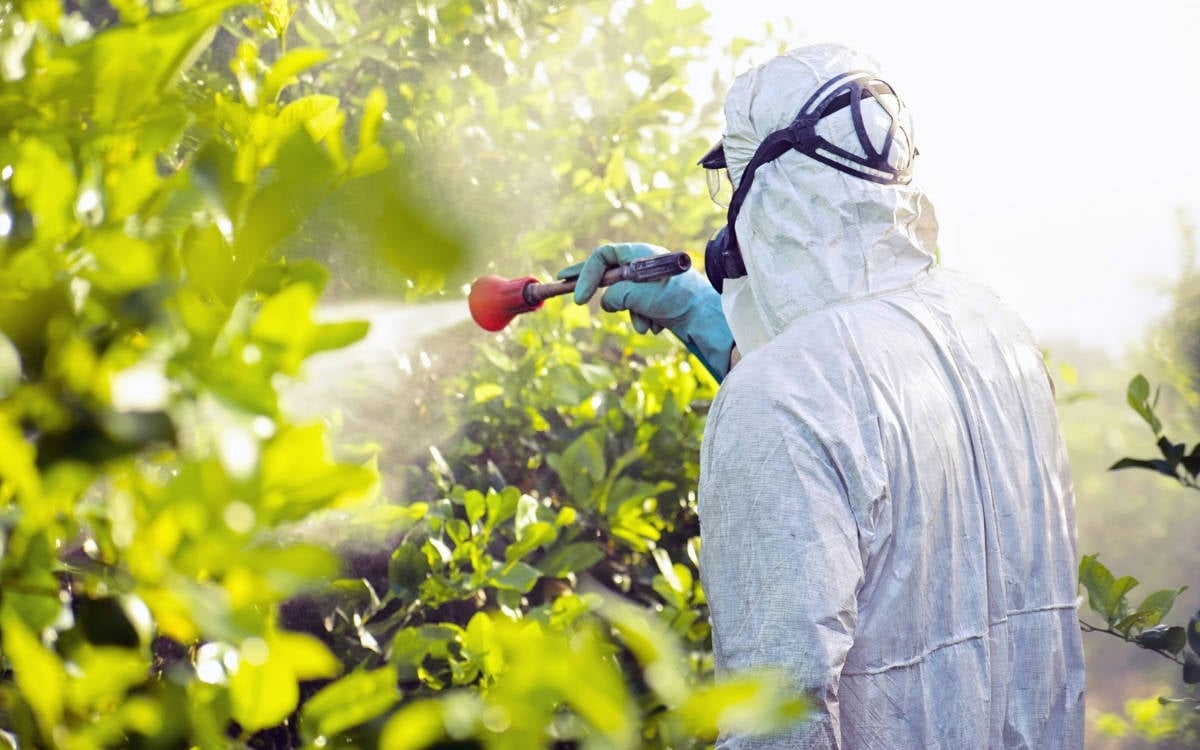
(723,258)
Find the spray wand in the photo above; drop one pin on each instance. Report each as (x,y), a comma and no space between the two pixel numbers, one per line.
(494,301)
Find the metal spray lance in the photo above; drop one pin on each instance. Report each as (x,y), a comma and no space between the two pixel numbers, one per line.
(494,301)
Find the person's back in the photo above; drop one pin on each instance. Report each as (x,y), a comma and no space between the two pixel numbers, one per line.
(885,502)
(924,454)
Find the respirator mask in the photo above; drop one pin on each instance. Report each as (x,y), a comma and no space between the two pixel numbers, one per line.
(722,257)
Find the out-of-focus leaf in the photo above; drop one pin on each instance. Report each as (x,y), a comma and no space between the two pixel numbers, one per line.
(415,726)
(292,568)
(286,68)
(329,336)
(298,474)
(307,657)
(535,535)
(104,621)
(104,676)
(517,576)
(10,366)
(1156,464)
(747,704)
(354,699)
(38,671)
(305,177)
(35,595)
(407,570)
(403,230)
(129,66)
(47,183)
(372,115)
(572,558)
(121,263)
(263,694)
(1191,668)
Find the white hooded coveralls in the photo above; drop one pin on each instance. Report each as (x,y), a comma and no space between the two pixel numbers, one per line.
(885,503)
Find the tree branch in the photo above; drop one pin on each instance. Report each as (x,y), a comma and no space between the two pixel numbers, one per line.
(1087,628)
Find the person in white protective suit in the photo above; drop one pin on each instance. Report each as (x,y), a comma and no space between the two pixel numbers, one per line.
(886,509)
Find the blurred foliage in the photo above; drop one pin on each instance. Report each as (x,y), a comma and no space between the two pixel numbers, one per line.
(1173,721)
(1176,340)
(176,180)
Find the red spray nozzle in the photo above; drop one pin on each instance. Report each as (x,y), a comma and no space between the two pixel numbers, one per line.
(494,301)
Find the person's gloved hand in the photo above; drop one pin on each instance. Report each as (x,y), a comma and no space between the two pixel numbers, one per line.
(686,304)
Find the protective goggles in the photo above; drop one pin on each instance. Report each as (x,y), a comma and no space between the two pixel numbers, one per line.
(723,257)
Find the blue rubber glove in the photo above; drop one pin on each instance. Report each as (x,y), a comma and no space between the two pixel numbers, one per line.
(686,304)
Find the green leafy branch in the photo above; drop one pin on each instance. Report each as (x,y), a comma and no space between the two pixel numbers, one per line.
(1107,594)
(1176,462)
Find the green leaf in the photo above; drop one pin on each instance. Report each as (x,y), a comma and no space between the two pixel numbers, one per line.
(663,560)
(485,392)
(263,695)
(530,538)
(372,115)
(291,568)
(355,699)
(35,594)
(47,183)
(1098,582)
(752,704)
(304,175)
(1156,606)
(131,65)
(407,570)
(475,505)
(1158,465)
(38,671)
(287,67)
(1115,604)
(370,159)
(1138,391)
(414,727)
(316,108)
(517,577)
(502,505)
(104,676)
(121,263)
(306,656)
(677,101)
(330,336)
(285,318)
(572,558)
(1138,396)
(526,514)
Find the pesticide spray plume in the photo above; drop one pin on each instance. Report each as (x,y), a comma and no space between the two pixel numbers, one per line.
(494,301)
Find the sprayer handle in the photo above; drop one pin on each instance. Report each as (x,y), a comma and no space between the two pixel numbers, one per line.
(642,269)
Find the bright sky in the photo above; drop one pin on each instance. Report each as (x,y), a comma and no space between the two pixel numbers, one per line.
(1060,140)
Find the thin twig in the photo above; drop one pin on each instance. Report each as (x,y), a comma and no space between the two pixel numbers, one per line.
(1087,628)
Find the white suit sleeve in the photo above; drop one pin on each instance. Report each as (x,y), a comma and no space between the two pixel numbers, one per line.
(780,560)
